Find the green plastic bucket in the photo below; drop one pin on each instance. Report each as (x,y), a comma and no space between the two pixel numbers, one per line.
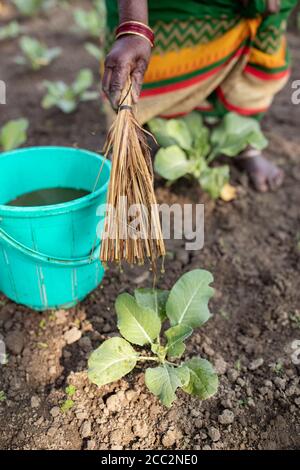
(45,251)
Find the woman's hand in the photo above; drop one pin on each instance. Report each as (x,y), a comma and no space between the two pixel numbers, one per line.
(129,56)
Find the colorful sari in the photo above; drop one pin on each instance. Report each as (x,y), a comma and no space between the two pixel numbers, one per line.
(213,56)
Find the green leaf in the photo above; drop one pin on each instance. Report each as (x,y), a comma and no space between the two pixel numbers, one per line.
(188,300)
(163,382)
(172,163)
(158,127)
(111,361)
(83,81)
(14,134)
(171,132)
(67,405)
(92,22)
(70,390)
(176,335)
(203,379)
(236,133)
(139,325)
(201,143)
(31,7)
(67,97)
(213,180)
(36,54)
(178,130)
(10,31)
(184,374)
(194,124)
(94,51)
(155,299)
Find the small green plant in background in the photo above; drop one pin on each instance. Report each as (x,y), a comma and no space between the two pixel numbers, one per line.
(92,22)
(10,31)
(70,390)
(68,403)
(32,7)
(188,147)
(140,320)
(36,54)
(67,97)
(2,396)
(94,51)
(13,134)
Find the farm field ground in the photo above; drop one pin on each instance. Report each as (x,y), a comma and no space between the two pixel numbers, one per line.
(252,246)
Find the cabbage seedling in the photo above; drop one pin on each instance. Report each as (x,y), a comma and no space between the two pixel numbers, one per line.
(67,97)
(188,147)
(92,22)
(36,54)
(140,320)
(10,31)
(13,134)
(32,7)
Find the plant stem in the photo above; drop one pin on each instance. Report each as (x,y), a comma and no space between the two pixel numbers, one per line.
(171,363)
(146,358)
(212,155)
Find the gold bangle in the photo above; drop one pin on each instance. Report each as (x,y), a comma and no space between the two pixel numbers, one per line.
(136,22)
(135,34)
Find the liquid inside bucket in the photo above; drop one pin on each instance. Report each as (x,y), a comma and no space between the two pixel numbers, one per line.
(48,197)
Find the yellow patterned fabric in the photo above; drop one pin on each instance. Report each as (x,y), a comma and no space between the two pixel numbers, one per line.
(212,56)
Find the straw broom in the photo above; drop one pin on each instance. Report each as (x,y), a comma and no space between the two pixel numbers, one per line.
(132,230)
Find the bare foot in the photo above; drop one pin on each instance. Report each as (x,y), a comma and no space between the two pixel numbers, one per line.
(263,174)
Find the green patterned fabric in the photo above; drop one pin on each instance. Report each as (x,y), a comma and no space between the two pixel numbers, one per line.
(167,10)
(184,23)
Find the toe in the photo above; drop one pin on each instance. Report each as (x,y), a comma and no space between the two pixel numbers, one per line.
(276,179)
(259,182)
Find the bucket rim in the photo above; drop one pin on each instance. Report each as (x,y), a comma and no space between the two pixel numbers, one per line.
(55,209)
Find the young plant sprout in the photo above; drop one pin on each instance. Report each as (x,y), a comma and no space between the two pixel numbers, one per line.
(92,22)
(67,97)
(32,7)
(36,54)
(188,147)
(10,31)
(140,321)
(13,134)
(94,51)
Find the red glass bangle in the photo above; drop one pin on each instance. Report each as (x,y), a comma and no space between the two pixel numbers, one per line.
(136,28)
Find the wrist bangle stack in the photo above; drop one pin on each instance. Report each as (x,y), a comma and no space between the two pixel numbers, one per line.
(137,29)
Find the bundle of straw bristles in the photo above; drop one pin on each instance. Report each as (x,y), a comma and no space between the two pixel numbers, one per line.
(131,186)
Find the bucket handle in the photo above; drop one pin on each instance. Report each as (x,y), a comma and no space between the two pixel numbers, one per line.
(68,262)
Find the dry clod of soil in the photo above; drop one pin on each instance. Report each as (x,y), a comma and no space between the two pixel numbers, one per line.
(256,364)
(227,417)
(15,342)
(233,375)
(35,402)
(61,317)
(214,434)
(171,437)
(55,411)
(221,366)
(131,395)
(72,335)
(116,402)
(280,383)
(85,344)
(141,429)
(86,429)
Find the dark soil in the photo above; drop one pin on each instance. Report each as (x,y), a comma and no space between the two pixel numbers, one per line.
(252,247)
